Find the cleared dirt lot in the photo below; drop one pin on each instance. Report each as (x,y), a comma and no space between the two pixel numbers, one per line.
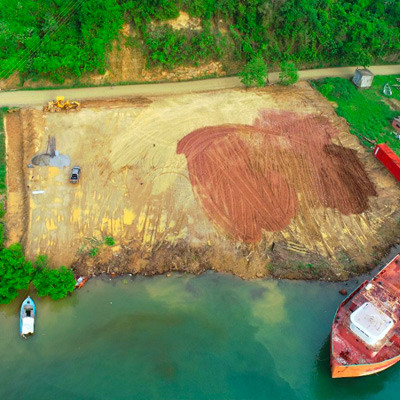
(254,182)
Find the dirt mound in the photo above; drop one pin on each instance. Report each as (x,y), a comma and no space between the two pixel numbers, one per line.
(41,160)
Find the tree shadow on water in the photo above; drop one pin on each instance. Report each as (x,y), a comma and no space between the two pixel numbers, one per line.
(323,386)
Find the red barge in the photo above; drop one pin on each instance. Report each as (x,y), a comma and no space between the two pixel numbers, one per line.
(365,335)
(388,158)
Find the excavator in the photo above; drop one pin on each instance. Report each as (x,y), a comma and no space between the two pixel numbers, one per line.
(59,104)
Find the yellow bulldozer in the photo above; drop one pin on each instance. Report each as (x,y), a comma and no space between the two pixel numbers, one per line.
(59,104)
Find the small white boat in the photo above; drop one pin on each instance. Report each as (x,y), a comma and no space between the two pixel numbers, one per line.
(27,317)
(387,91)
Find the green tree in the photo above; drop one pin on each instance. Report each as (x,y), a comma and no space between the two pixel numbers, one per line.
(54,40)
(254,73)
(289,74)
(15,273)
(41,262)
(56,283)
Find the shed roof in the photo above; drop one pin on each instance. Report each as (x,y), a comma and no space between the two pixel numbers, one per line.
(364,72)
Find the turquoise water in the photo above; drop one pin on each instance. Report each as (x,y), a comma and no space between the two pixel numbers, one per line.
(184,337)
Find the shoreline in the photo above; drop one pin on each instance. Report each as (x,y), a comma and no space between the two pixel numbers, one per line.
(326,275)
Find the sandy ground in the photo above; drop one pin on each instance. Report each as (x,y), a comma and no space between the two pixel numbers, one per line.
(273,185)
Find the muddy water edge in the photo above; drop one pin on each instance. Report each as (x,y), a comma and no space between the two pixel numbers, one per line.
(184,337)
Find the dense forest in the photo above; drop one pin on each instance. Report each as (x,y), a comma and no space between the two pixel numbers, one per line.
(55,39)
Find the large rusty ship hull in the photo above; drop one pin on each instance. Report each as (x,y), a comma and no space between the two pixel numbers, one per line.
(365,335)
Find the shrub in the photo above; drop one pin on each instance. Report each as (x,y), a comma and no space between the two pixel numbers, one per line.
(52,40)
(289,74)
(169,48)
(41,263)
(254,72)
(56,283)
(109,241)
(93,252)
(15,273)
(2,223)
(326,89)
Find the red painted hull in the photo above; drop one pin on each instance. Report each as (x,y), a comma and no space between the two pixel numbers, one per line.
(352,371)
(81,283)
(353,355)
(388,158)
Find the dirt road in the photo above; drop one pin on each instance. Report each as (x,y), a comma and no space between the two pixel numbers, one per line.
(40,97)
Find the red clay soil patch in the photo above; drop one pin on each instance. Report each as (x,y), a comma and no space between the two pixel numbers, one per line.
(235,194)
(250,178)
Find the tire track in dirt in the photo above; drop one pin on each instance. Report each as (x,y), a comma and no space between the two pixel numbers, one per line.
(17,196)
(254,178)
(229,189)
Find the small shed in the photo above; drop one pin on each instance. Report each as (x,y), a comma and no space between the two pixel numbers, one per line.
(363,78)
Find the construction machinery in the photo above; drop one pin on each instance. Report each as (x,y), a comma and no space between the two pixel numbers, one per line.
(59,104)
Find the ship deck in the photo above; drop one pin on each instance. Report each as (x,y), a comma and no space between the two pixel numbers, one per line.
(383,291)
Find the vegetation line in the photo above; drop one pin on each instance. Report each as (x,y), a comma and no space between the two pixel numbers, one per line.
(368,112)
(55,41)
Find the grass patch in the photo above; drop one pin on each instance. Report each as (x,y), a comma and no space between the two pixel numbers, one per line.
(93,246)
(109,241)
(366,112)
(379,82)
(93,252)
